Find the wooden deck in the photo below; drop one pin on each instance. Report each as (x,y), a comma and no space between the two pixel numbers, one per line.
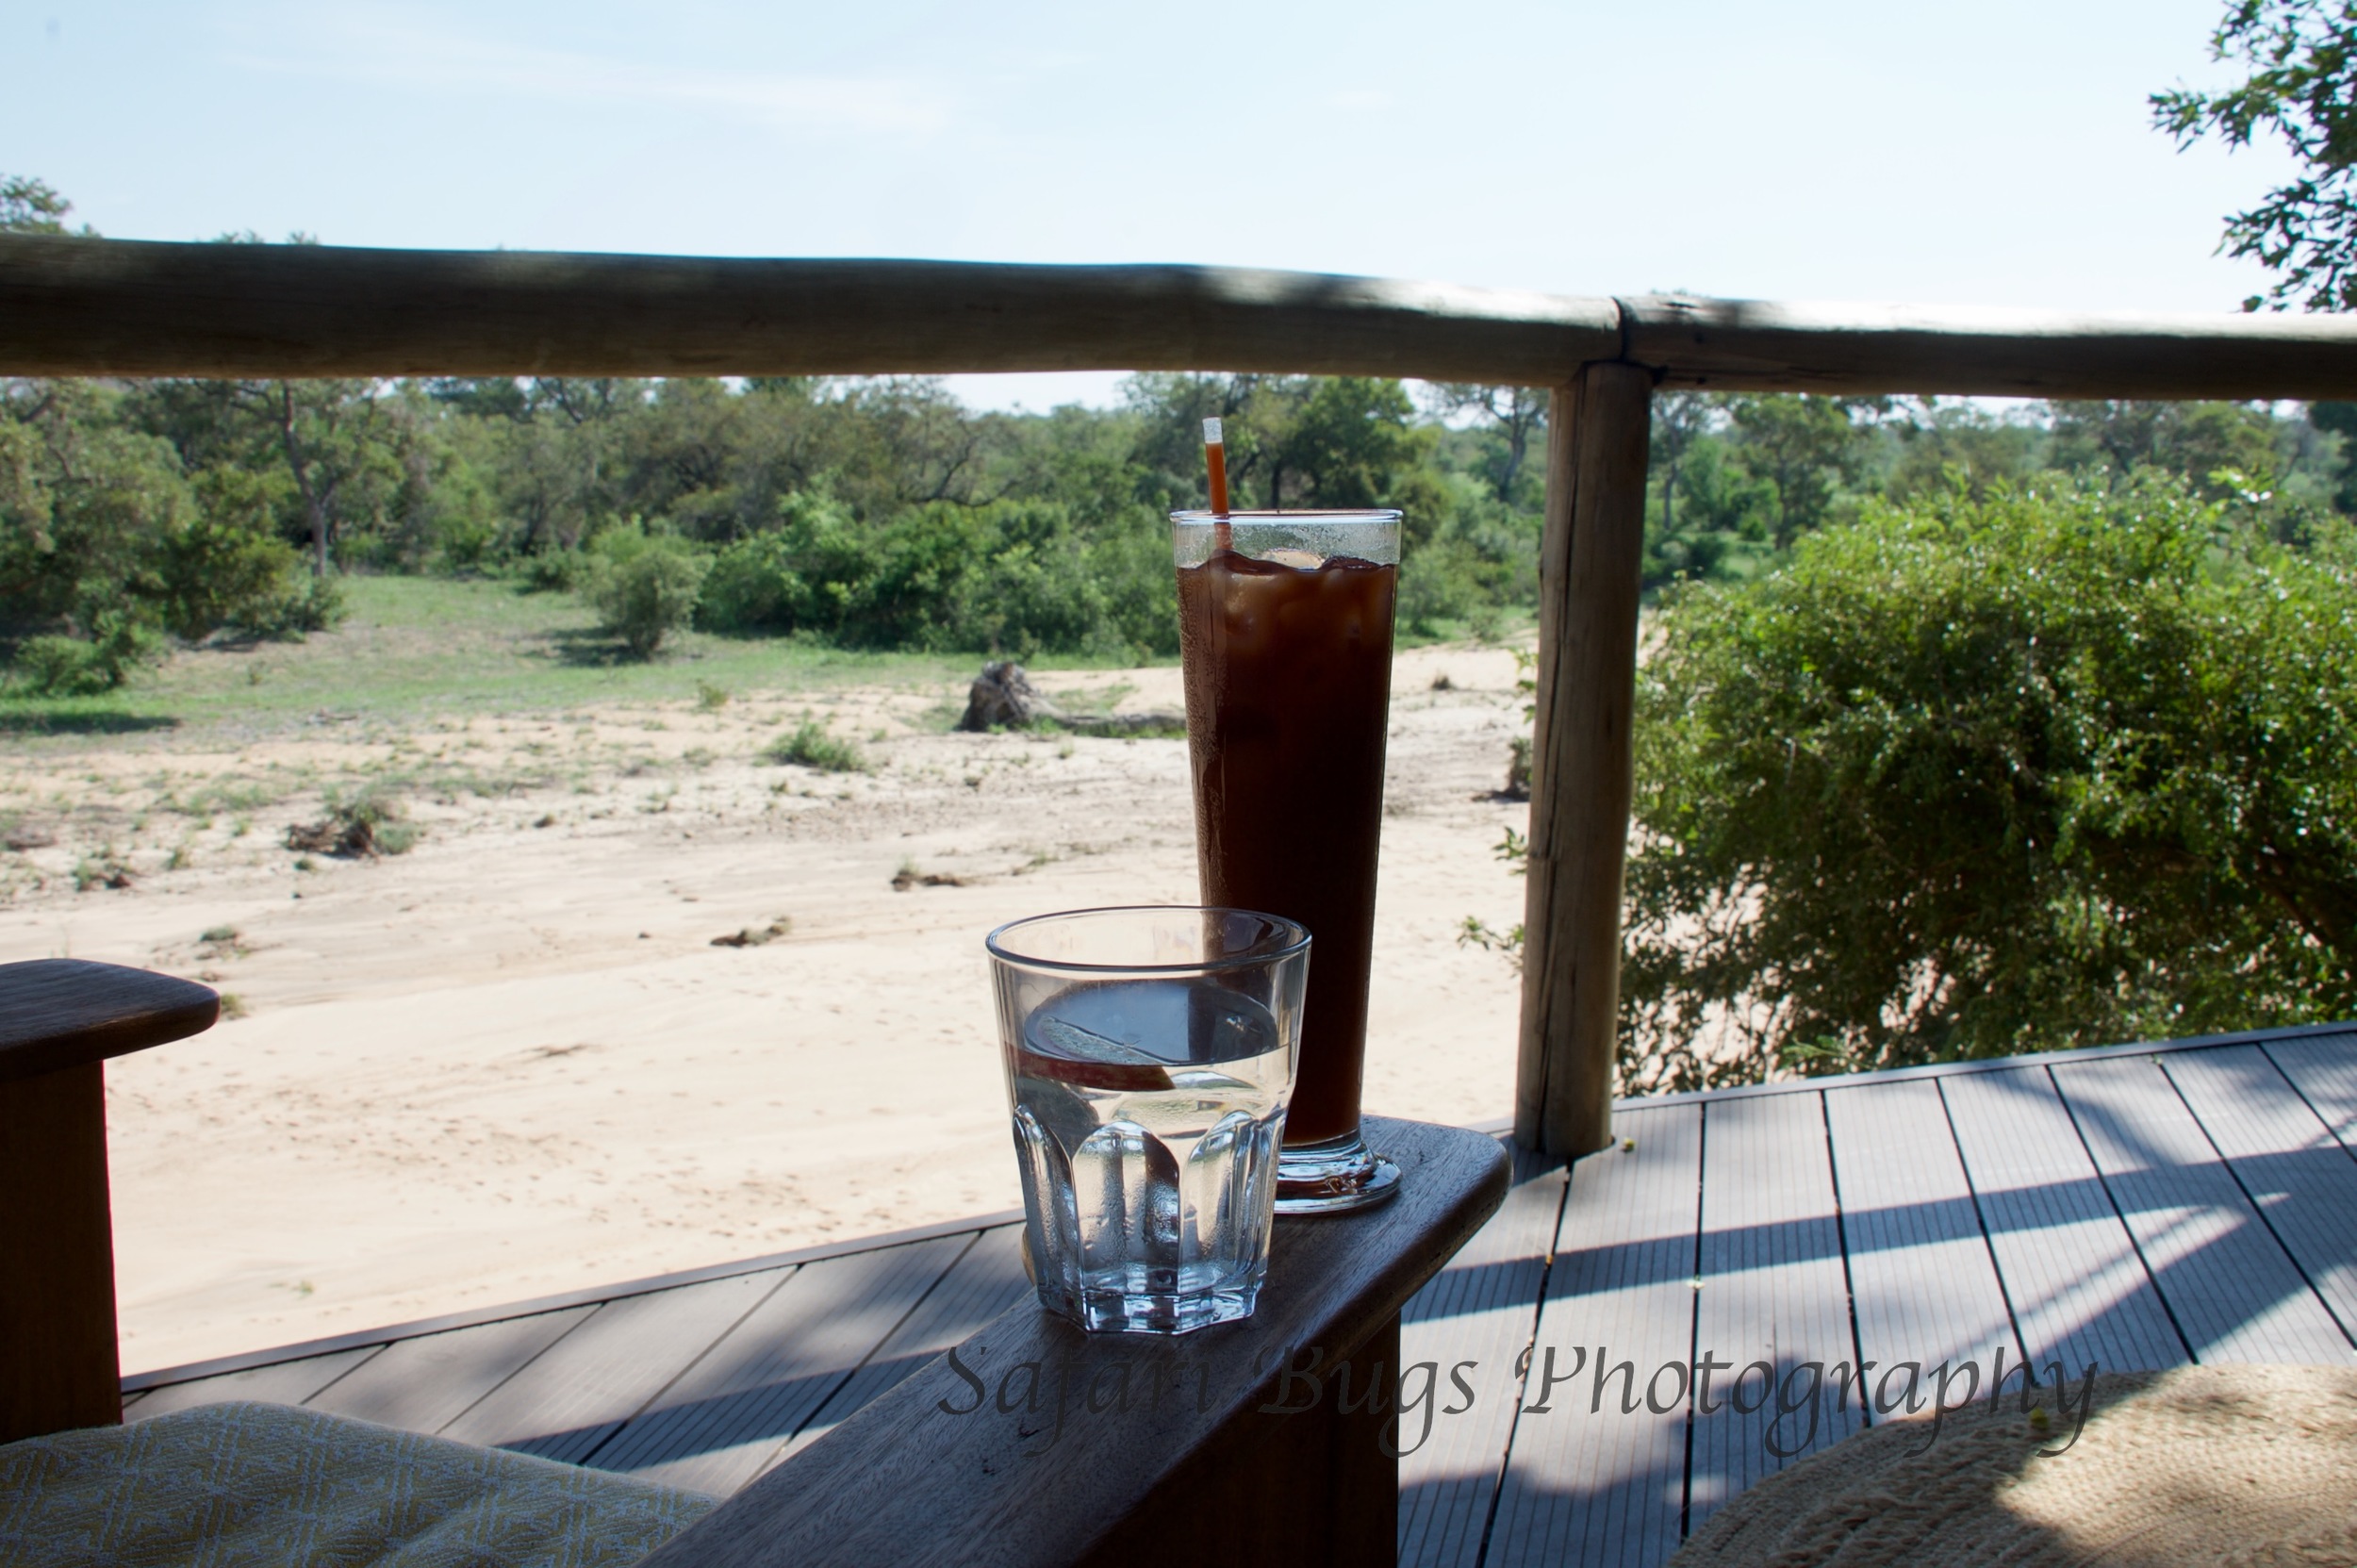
(2141,1206)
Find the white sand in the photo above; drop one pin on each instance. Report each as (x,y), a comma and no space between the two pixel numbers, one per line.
(510,1062)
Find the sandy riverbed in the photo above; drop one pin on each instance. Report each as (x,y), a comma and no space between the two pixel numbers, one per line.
(511,1061)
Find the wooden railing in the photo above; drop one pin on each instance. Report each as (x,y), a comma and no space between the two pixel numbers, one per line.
(115,308)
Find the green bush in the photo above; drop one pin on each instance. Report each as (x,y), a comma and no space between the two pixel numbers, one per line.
(550,572)
(227,566)
(83,667)
(801,576)
(644,586)
(318,605)
(2063,765)
(811,745)
(1014,577)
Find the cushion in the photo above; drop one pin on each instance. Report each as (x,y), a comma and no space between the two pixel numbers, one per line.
(2205,1464)
(232,1485)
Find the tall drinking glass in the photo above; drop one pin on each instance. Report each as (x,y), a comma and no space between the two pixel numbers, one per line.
(1285,625)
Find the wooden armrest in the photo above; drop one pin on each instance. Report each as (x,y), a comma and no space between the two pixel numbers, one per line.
(59,1012)
(60,1019)
(957,1466)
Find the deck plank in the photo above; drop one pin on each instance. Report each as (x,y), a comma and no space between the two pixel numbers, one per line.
(2303,1183)
(1773,1290)
(1474,1318)
(720,1422)
(2077,1204)
(279,1383)
(423,1384)
(1598,1487)
(577,1394)
(2078,1287)
(987,1280)
(2233,1291)
(1922,1282)
(2323,1067)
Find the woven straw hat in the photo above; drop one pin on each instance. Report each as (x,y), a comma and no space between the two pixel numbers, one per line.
(2206,1464)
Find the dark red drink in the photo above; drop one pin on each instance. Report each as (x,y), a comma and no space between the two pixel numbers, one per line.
(1289,677)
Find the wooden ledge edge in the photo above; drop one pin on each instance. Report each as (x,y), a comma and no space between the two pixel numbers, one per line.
(59,1012)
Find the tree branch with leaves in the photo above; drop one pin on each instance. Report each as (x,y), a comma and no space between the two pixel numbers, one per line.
(2301,89)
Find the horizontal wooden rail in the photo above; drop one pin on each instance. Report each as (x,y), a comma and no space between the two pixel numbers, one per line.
(1762,346)
(128,308)
(122,307)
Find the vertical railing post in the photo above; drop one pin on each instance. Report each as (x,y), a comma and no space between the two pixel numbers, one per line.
(1580,780)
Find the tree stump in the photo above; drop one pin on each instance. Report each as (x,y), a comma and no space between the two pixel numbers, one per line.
(1003,697)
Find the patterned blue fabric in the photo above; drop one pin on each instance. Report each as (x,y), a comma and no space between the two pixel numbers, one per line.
(264,1486)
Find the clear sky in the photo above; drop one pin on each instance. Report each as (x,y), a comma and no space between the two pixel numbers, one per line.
(1995,153)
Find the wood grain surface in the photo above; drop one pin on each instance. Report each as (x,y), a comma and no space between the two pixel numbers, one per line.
(1476,1319)
(58,1366)
(2255,1199)
(73,306)
(58,1012)
(1589,579)
(125,307)
(1759,345)
(933,1473)
(2231,1288)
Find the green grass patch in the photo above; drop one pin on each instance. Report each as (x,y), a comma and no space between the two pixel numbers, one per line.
(416,647)
(811,745)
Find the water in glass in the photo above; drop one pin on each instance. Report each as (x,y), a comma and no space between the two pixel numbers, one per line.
(1148,1113)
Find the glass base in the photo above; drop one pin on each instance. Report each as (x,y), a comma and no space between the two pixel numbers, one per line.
(1331,1177)
(1106,1311)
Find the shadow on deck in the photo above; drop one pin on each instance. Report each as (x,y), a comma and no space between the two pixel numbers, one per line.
(1825,1249)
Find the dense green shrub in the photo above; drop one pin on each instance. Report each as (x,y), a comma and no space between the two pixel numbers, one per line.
(1012,576)
(84,508)
(104,544)
(644,586)
(226,565)
(2065,765)
(802,575)
(315,604)
(53,666)
(1481,558)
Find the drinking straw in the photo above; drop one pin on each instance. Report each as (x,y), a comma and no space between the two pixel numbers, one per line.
(1215,454)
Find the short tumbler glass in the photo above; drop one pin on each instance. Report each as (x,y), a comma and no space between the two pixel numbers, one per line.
(1149,1056)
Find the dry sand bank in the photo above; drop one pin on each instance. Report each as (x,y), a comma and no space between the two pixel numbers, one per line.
(511,1061)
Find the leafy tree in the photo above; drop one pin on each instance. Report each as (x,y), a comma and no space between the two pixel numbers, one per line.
(1517,416)
(2194,440)
(28,205)
(1679,418)
(2340,419)
(338,443)
(1807,450)
(226,565)
(1257,411)
(83,505)
(1348,445)
(2063,765)
(1940,444)
(104,542)
(544,454)
(2301,88)
(1711,519)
